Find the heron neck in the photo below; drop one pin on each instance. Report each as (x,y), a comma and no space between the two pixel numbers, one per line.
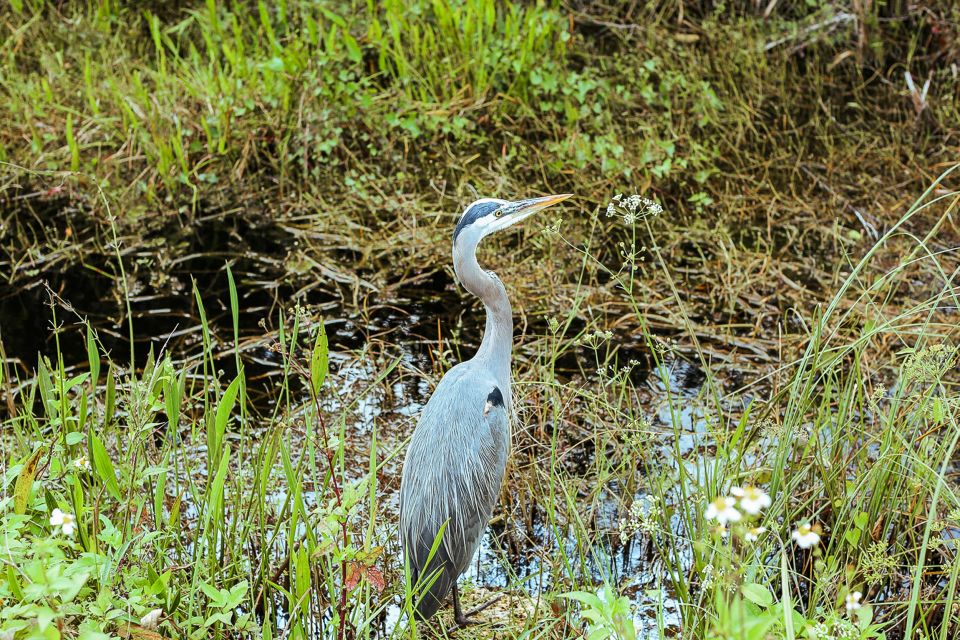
(497,345)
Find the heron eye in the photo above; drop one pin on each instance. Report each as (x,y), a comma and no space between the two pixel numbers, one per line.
(498,213)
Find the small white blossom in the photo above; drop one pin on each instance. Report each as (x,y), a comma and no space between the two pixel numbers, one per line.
(632,208)
(152,619)
(752,499)
(710,574)
(66,521)
(853,601)
(805,536)
(82,464)
(721,530)
(753,533)
(722,510)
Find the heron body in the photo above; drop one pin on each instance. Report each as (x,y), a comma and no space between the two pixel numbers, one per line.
(458,453)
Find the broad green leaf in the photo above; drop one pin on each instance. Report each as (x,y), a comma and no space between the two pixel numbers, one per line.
(319,360)
(13,583)
(215,495)
(353,49)
(939,410)
(276,65)
(213,593)
(93,358)
(757,594)
(224,409)
(302,574)
(21,491)
(103,465)
(332,17)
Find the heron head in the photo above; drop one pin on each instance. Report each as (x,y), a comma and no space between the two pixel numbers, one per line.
(488,215)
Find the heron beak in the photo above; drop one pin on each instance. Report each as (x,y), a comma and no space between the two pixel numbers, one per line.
(523,209)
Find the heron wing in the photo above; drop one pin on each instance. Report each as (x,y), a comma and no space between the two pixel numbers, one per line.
(451,480)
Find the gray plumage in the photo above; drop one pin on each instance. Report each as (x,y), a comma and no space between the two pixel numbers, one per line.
(458,453)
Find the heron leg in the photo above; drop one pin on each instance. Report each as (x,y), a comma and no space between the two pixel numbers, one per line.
(458,616)
(463,619)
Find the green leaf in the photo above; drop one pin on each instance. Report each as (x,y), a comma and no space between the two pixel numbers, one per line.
(757,594)
(852,536)
(276,65)
(217,596)
(224,409)
(939,410)
(111,400)
(302,574)
(21,491)
(93,358)
(101,462)
(332,17)
(236,595)
(353,49)
(215,495)
(74,437)
(589,599)
(319,360)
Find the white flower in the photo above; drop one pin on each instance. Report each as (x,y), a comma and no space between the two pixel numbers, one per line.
(721,530)
(66,521)
(752,499)
(81,464)
(853,600)
(152,619)
(722,510)
(805,536)
(753,533)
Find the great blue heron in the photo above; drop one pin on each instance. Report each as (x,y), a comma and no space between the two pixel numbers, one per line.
(458,453)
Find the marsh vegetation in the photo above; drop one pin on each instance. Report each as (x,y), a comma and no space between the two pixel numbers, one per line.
(226,293)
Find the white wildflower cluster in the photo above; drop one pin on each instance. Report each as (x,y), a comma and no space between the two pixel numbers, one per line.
(806,535)
(632,208)
(82,464)
(879,393)
(594,339)
(742,509)
(878,563)
(643,517)
(554,227)
(65,522)
(802,433)
(929,364)
(746,501)
(709,575)
(835,628)
(663,347)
